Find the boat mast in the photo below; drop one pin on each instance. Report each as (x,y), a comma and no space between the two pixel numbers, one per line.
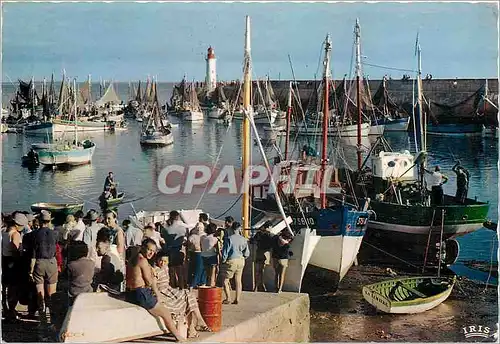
(74,108)
(421,121)
(358,86)
(90,91)
(288,120)
(246,129)
(326,112)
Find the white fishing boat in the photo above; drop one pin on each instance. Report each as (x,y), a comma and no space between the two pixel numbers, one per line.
(79,153)
(313,129)
(154,132)
(192,110)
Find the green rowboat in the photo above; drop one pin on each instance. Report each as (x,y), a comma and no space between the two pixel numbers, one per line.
(409,295)
(112,201)
(57,208)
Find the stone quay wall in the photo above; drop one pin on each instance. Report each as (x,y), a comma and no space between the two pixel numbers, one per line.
(443,91)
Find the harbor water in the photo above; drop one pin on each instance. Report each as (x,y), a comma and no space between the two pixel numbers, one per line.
(136,169)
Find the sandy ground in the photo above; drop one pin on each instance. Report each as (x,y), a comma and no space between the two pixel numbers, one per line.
(344,316)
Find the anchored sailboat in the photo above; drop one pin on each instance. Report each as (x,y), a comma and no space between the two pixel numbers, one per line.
(154,132)
(79,153)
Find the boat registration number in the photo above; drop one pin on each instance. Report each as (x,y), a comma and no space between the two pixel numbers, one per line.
(300,221)
(361,221)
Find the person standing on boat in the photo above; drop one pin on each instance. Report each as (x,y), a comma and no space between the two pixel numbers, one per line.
(462,182)
(110,184)
(435,182)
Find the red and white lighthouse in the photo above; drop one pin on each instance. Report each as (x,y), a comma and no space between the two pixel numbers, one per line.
(211,77)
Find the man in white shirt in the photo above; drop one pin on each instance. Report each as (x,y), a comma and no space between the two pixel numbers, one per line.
(90,233)
(133,235)
(435,182)
(77,231)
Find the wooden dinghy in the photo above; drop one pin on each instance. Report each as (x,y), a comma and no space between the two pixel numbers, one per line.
(107,203)
(409,295)
(99,318)
(57,208)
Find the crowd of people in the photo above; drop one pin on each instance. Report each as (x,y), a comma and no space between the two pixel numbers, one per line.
(155,267)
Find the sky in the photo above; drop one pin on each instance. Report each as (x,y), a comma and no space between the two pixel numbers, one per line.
(129,41)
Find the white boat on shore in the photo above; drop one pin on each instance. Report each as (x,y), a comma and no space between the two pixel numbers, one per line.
(111,320)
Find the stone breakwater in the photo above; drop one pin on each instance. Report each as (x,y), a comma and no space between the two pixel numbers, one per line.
(443,91)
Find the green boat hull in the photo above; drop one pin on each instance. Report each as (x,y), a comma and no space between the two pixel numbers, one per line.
(459,219)
(57,209)
(113,202)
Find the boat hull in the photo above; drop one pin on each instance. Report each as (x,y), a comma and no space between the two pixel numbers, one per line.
(376,129)
(193,116)
(340,230)
(416,220)
(39,129)
(399,124)
(112,201)
(157,140)
(73,157)
(57,208)
(345,131)
(109,313)
(391,296)
(455,129)
(215,113)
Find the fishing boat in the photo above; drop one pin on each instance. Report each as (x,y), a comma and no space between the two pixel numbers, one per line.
(111,202)
(406,220)
(78,153)
(339,225)
(397,124)
(192,110)
(409,295)
(154,133)
(392,116)
(57,208)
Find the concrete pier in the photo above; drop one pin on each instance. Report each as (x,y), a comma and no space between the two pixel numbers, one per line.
(259,317)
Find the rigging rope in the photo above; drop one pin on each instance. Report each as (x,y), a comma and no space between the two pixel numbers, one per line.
(231,207)
(389,68)
(389,254)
